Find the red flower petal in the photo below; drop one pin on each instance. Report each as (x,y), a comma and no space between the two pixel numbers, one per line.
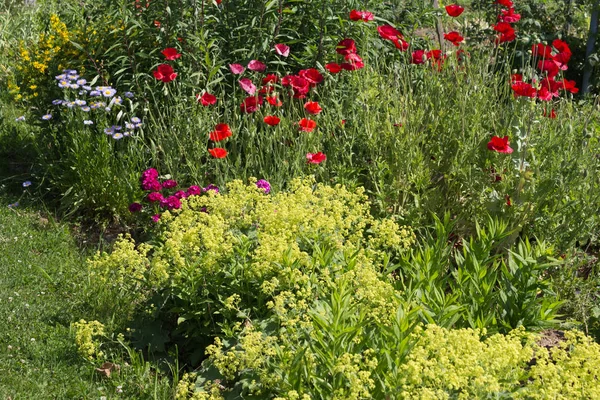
(271,120)
(218,152)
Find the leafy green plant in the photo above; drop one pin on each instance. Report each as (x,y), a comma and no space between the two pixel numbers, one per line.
(479,283)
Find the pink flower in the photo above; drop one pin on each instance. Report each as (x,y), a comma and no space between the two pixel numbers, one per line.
(155,217)
(282,49)
(169,184)
(180,194)
(353,63)
(155,197)
(151,184)
(194,190)
(247,85)
(236,69)
(171,202)
(255,65)
(135,207)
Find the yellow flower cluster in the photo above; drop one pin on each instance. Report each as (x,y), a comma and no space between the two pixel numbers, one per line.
(252,352)
(124,268)
(85,332)
(567,371)
(186,389)
(457,364)
(195,244)
(36,58)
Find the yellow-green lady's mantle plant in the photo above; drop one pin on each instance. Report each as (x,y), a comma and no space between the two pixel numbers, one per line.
(226,259)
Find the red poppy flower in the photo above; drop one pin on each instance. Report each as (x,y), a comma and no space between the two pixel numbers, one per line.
(271,120)
(551,85)
(251,104)
(501,145)
(207,99)
(454,37)
(569,86)
(257,66)
(271,78)
(505,3)
(435,54)
(247,85)
(274,101)
(388,32)
(418,57)
(315,158)
(510,16)
(523,89)
(266,89)
(544,94)
(507,32)
(165,73)
(548,66)
(333,68)
(353,63)
(170,53)
(221,132)
(561,46)
(312,107)
(312,75)
(503,27)
(236,69)
(562,59)
(506,37)
(541,51)
(218,152)
(307,125)
(345,47)
(157,23)
(516,78)
(300,86)
(401,44)
(282,49)
(286,80)
(508,202)
(454,10)
(356,15)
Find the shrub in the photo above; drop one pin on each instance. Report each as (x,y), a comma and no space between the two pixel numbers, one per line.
(227,258)
(335,358)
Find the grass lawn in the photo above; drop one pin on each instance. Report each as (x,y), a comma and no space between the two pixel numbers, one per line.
(42,290)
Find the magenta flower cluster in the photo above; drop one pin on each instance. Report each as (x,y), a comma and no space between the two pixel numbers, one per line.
(158,195)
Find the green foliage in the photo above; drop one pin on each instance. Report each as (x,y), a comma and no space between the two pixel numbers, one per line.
(477,282)
(341,353)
